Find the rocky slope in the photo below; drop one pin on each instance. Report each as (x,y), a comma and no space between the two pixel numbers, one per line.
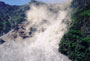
(75,43)
(37,38)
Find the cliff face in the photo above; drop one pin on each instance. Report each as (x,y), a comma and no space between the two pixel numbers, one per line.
(76,42)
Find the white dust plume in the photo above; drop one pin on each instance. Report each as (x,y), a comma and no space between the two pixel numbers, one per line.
(38,38)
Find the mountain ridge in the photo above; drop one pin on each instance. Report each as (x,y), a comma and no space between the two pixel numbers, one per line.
(11,16)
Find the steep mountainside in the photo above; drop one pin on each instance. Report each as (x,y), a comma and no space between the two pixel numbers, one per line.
(76,42)
(10,16)
(37,38)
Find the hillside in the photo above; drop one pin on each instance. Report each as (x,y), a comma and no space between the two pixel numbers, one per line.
(76,42)
(37,38)
(10,16)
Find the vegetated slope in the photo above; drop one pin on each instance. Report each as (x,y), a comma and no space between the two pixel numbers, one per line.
(76,42)
(10,16)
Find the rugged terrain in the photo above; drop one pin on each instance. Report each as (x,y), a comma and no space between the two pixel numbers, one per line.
(13,26)
(11,16)
(76,42)
(37,38)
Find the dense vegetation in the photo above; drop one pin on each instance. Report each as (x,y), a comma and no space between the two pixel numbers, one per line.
(10,16)
(76,42)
